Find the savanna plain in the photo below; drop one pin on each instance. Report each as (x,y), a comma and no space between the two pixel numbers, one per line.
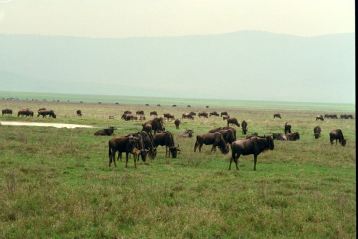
(56,183)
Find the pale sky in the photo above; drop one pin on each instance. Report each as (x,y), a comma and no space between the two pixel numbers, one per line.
(128,18)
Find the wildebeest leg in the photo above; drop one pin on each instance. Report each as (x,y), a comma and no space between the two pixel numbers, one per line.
(200,145)
(231,159)
(195,146)
(135,161)
(127,159)
(213,148)
(237,161)
(255,160)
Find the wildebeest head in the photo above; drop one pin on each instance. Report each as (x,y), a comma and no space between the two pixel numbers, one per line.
(343,142)
(174,151)
(269,141)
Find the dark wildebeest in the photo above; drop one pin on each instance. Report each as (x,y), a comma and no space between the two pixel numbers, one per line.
(146,104)
(45,113)
(105,132)
(319,117)
(293,136)
(157,124)
(25,112)
(224,128)
(128,117)
(139,112)
(174,105)
(226,117)
(214,113)
(187,116)
(6,112)
(166,139)
(146,144)
(277,115)
(127,112)
(254,145)
(79,113)
(346,116)
(287,128)
(121,145)
(158,105)
(192,113)
(187,133)
(177,123)
(168,116)
(153,113)
(244,127)
(203,114)
(223,113)
(207,107)
(332,116)
(279,136)
(188,106)
(337,135)
(317,132)
(233,121)
(214,139)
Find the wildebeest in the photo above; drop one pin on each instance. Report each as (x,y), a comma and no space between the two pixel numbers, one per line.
(177,123)
(45,113)
(346,116)
(277,115)
(79,112)
(146,144)
(187,133)
(158,105)
(105,132)
(224,128)
(157,124)
(139,112)
(187,116)
(254,145)
(207,107)
(331,116)
(203,114)
(192,113)
(188,106)
(146,104)
(214,139)
(319,117)
(244,126)
(293,136)
(226,117)
(223,113)
(317,132)
(147,127)
(124,144)
(127,112)
(128,117)
(166,139)
(214,113)
(153,113)
(25,112)
(6,112)
(335,135)
(168,116)
(287,128)
(174,105)
(233,121)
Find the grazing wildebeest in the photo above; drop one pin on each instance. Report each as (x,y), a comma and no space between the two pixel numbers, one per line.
(25,112)
(128,117)
(224,128)
(214,113)
(146,144)
(214,139)
(233,121)
(203,114)
(6,112)
(287,128)
(79,112)
(168,116)
(226,117)
(192,113)
(317,132)
(105,132)
(153,113)
(254,145)
(146,104)
(293,136)
(319,117)
(174,105)
(244,126)
(188,106)
(187,116)
(45,113)
(158,105)
(207,106)
(166,139)
(157,124)
(337,134)
(177,123)
(187,133)
(139,112)
(332,116)
(223,113)
(123,145)
(228,135)
(277,115)
(346,116)
(279,136)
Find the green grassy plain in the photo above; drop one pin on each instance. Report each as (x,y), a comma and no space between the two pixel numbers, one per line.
(55,183)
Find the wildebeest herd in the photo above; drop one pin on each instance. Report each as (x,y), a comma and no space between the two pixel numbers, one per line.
(153,134)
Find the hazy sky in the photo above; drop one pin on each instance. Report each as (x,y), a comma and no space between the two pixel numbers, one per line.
(126,18)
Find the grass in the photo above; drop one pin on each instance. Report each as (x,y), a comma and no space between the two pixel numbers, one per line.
(55,183)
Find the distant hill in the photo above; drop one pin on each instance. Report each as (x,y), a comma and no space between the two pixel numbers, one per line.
(242,65)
